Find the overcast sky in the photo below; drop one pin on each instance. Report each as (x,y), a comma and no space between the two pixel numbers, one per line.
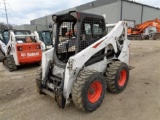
(22,11)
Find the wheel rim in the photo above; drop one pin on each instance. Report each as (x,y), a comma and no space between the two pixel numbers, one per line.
(94,91)
(122,79)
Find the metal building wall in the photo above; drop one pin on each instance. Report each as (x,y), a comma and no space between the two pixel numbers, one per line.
(111,12)
(138,12)
(131,11)
(150,13)
(19,27)
(39,21)
(36,27)
(48,19)
(32,28)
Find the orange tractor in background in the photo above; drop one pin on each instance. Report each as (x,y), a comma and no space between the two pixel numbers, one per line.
(19,47)
(147,30)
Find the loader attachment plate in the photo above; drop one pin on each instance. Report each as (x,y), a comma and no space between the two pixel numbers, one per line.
(58,96)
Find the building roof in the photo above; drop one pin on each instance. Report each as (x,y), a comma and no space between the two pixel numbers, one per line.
(141,4)
(94,4)
(98,3)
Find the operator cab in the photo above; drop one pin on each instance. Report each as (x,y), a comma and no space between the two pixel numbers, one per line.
(4,36)
(46,38)
(76,31)
(23,36)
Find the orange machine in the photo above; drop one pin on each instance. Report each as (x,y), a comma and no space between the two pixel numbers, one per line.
(20,47)
(145,29)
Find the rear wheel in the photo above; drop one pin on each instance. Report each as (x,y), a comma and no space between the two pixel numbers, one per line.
(88,90)
(10,63)
(2,56)
(117,76)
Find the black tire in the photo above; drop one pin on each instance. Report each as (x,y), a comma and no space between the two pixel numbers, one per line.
(81,87)
(147,37)
(39,81)
(115,73)
(10,63)
(38,63)
(154,38)
(2,56)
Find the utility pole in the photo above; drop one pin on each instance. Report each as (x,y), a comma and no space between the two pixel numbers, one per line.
(6,13)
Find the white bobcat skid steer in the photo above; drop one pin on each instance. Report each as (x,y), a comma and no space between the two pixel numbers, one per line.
(3,41)
(81,66)
(20,47)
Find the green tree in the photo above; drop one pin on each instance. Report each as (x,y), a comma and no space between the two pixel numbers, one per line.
(4,26)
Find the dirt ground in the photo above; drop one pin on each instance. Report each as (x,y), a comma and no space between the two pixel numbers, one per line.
(139,101)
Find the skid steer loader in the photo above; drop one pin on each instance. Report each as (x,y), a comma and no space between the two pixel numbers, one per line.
(81,67)
(19,47)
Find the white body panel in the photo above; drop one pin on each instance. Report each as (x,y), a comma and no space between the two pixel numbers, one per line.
(10,48)
(77,62)
(46,57)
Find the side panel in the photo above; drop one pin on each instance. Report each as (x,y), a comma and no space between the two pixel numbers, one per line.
(100,66)
(76,63)
(124,56)
(46,57)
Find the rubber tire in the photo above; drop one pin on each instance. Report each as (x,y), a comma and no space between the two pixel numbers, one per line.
(10,63)
(80,90)
(113,75)
(2,56)
(39,81)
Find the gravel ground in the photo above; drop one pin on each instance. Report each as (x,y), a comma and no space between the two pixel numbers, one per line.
(139,101)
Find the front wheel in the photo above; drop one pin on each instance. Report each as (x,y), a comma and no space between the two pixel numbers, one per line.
(117,76)
(39,81)
(88,90)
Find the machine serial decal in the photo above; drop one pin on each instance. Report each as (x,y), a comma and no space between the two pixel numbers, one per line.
(29,54)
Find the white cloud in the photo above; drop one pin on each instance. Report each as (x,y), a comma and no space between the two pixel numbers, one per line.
(22,11)
(155,3)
